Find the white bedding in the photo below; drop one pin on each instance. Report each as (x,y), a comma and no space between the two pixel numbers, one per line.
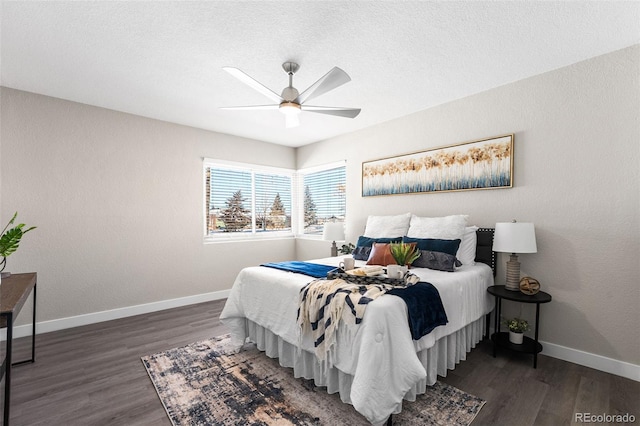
(379,353)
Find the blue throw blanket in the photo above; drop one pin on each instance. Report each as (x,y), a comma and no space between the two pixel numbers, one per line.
(425,308)
(312,269)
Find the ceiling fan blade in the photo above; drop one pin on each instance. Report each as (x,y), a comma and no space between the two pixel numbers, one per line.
(291,120)
(263,107)
(334,78)
(253,83)
(339,111)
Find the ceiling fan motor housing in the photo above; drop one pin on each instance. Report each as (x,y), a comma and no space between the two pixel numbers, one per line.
(289,93)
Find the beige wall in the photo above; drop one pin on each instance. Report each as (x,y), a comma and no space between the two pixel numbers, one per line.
(118,201)
(577,144)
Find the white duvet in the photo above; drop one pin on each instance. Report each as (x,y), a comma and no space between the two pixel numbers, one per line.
(379,353)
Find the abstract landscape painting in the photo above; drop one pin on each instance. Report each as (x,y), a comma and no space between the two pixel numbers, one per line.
(483,164)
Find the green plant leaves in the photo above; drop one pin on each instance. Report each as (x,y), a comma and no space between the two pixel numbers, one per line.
(404,253)
(10,240)
(517,325)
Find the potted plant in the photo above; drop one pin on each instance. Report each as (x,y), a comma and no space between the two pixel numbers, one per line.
(404,254)
(517,327)
(347,248)
(9,242)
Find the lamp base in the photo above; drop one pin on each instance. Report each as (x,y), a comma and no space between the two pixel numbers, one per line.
(513,273)
(334,253)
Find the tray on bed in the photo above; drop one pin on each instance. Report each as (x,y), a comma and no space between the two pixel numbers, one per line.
(365,280)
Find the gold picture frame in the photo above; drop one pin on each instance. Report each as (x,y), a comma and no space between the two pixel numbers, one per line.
(481,164)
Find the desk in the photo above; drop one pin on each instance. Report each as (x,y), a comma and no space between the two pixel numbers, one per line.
(14,292)
(531,346)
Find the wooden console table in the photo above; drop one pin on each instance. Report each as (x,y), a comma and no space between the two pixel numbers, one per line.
(14,292)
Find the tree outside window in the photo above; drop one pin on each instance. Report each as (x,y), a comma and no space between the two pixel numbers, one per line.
(235,217)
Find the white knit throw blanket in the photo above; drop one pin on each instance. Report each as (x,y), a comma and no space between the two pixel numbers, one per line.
(324,303)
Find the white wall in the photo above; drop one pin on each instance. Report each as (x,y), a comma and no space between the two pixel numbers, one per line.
(577,145)
(118,202)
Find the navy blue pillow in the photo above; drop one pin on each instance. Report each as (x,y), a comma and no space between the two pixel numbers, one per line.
(432,244)
(368,241)
(364,244)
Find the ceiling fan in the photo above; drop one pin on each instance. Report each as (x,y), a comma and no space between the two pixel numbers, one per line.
(291,102)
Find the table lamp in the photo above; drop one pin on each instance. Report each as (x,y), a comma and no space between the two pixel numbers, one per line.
(514,237)
(333,231)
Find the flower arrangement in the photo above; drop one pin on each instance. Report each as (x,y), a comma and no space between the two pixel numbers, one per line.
(516,325)
(404,253)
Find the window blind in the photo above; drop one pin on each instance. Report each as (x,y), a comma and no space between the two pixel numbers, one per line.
(323,198)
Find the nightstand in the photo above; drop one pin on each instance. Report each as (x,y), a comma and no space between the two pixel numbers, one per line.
(529,345)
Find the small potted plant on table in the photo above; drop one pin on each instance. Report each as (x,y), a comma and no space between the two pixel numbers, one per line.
(517,327)
(9,242)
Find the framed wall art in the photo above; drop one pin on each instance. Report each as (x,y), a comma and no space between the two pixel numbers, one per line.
(481,164)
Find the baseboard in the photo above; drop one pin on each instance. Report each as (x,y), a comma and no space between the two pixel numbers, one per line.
(598,362)
(129,311)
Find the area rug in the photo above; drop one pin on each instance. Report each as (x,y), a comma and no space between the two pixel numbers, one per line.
(205,384)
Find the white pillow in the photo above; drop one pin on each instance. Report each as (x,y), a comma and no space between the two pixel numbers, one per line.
(387,226)
(467,251)
(444,228)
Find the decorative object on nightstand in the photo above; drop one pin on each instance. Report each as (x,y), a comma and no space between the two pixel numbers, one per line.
(529,286)
(333,231)
(514,237)
(517,327)
(347,248)
(9,242)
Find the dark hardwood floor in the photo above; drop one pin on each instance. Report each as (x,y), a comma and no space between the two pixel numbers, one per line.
(93,375)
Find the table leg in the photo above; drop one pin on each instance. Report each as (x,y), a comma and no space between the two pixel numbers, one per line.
(7,375)
(33,328)
(33,334)
(496,324)
(535,352)
(487,324)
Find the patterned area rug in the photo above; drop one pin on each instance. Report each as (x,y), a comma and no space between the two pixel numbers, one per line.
(200,384)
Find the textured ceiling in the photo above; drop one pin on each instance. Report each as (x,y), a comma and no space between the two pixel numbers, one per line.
(164,59)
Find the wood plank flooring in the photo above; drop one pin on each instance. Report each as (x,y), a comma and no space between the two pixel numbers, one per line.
(93,375)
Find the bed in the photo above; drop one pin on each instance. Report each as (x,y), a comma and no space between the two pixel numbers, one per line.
(374,365)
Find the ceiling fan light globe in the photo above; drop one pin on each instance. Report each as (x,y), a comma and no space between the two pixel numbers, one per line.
(290,108)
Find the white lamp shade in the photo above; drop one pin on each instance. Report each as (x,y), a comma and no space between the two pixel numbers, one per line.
(333,231)
(515,237)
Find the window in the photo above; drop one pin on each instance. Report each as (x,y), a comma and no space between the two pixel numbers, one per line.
(247,200)
(322,191)
(251,201)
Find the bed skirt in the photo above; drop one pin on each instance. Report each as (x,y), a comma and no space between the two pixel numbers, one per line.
(442,356)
